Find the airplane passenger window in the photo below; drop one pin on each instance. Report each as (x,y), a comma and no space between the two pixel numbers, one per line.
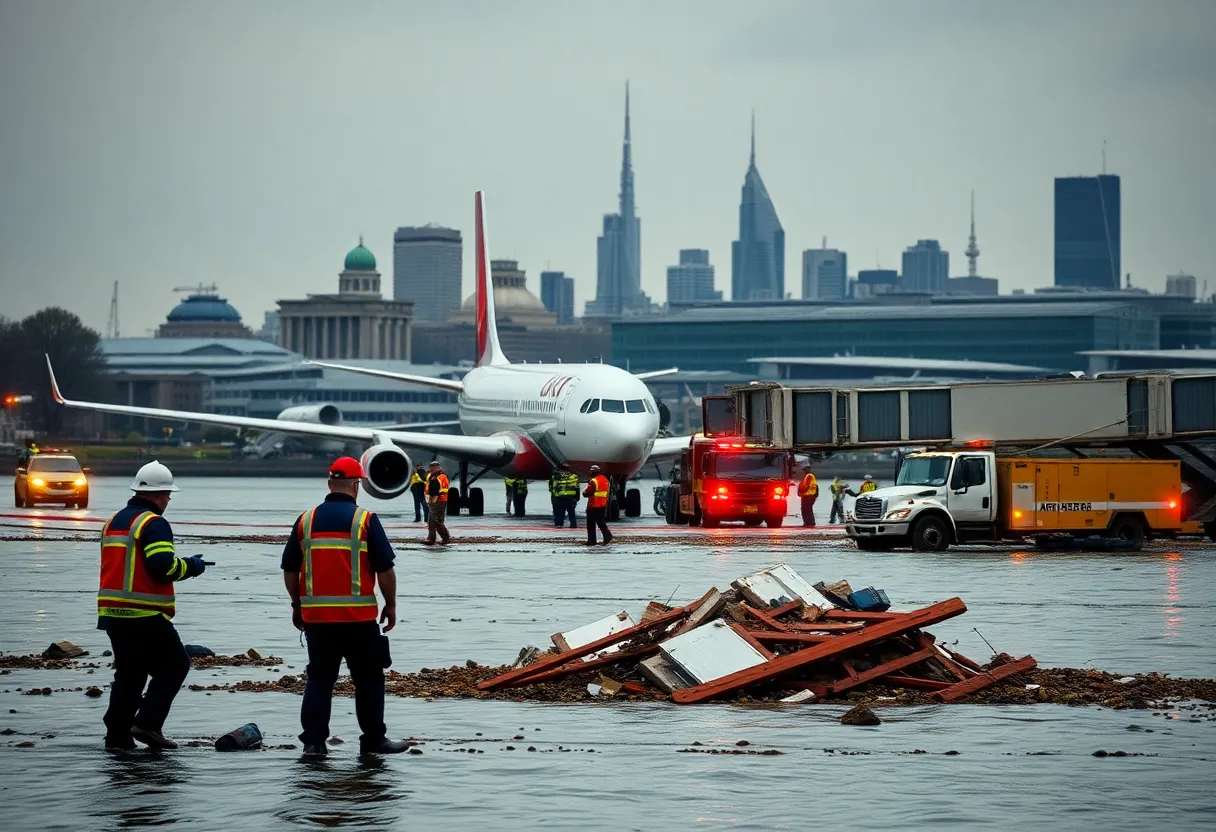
(614,406)
(635,406)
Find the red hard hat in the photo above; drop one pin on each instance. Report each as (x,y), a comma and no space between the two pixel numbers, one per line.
(346,468)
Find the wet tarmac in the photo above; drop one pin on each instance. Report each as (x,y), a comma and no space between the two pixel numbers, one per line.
(598,766)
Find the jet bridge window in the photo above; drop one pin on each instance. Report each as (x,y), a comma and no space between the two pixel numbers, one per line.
(590,406)
(613,406)
(635,406)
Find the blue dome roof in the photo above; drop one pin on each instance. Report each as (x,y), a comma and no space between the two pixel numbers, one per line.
(204,308)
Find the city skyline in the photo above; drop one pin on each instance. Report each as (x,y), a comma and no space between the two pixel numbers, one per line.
(260,162)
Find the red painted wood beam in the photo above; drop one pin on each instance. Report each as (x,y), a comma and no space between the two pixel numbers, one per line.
(838,646)
(881,670)
(986,679)
(579,666)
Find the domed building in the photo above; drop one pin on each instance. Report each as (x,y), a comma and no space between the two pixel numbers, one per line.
(204,314)
(357,322)
(513,303)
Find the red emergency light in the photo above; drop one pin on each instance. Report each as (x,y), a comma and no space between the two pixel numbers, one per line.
(979,443)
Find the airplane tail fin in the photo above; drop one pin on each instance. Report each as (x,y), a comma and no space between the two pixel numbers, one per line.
(488,350)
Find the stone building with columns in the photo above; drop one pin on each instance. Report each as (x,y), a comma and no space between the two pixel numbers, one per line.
(357,322)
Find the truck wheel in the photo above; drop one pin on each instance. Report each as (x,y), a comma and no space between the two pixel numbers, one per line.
(930,535)
(671,506)
(870,544)
(1131,530)
(775,522)
(1210,530)
(17,501)
(752,522)
(633,503)
(710,522)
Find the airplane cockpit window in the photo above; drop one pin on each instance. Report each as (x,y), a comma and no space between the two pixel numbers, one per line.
(636,406)
(613,406)
(590,406)
(649,406)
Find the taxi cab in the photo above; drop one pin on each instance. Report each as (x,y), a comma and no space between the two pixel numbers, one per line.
(51,476)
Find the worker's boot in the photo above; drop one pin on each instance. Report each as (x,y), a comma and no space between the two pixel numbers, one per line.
(384,746)
(152,739)
(312,750)
(119,743)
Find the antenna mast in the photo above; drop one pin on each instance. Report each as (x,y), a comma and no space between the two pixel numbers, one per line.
(112,324)
(973,250)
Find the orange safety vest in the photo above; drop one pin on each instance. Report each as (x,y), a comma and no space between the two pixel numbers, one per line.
(125,583)
(598,486)
(444,482)
(809,487)
(337,583)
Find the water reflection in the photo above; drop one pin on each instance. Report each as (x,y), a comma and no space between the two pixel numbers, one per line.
(1173,595)
(142,790)
(333,794)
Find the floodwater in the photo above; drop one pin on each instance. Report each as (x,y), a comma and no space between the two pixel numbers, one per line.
(1017,767)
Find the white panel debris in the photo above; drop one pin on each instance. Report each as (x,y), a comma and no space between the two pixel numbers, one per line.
(775,586)
(710,652)
(594,631)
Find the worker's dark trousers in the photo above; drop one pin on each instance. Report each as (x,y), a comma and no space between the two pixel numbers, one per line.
(143,647)
(563,507)
(808,511)
(595,518)
(837,511)
(366,655)
(518,500)
(422,510)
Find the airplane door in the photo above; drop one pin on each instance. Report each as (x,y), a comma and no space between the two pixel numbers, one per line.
(563,402)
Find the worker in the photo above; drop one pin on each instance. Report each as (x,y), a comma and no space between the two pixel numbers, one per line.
(422,511)
(437,496)
(336,555)
(839,491)
(135,606)
(509,484)
(31,450)
(596,493)
(563,485)
(808,490)
(519,496)
(868,485)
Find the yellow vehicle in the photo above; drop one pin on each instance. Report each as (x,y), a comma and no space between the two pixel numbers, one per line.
(51,476)
(946,497)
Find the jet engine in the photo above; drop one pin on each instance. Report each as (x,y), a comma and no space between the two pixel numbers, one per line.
(317,414)
(386,471)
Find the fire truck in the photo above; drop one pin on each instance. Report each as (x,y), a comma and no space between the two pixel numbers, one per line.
(722,477)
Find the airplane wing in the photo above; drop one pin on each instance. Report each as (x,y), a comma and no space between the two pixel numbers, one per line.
(449,423)
(667,446)
(442,383)
(490,450)
(656,373)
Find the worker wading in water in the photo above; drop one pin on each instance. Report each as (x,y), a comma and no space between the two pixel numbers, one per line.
(596,493)
(336,555)
(135,606)
(437,496)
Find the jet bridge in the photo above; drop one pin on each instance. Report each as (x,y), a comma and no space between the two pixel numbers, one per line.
(1151,415)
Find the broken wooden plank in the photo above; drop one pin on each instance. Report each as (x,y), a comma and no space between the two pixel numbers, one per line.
(826,627)
(653,610)
(985,679)
(765,619)
(858,615)
(663,673)
(941,656)
(584,665)
(549,662)
(705,611)
(901,681)
(792,606)
(746,636)
(878,671)
(839,645)
(789,638)
(961,659)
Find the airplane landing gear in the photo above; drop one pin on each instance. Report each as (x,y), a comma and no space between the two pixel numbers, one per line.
(623,498)
(467,497)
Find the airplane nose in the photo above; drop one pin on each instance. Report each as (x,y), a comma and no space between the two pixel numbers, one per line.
(630,440)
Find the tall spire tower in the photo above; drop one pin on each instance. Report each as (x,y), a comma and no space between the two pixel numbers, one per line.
(627,208)
(973,250)
(758,256)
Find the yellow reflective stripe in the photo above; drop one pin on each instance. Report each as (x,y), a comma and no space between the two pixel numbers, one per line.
(157,548)
(127,612)
(306,542)
(140,597)
(338,601)
(600,493)
(356,548)
(137,526)
(179,569)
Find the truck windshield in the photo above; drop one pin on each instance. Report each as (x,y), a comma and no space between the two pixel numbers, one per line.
(925,470)
(749,466)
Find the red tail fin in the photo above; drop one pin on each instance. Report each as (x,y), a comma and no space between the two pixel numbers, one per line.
(488,349)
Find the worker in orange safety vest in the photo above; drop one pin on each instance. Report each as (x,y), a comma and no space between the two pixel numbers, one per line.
(596,493)
(808,490)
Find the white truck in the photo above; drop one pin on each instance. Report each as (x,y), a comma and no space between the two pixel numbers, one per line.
(945,497)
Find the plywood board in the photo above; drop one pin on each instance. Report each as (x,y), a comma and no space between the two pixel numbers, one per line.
(710,652)
(776,586)
(664,675)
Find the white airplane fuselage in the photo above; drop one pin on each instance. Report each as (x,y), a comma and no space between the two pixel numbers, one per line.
(578,415)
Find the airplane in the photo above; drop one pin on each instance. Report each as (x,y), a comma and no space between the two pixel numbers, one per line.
(322,414)
(518,420)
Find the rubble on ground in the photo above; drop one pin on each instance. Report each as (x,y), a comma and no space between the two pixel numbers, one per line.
(37,662)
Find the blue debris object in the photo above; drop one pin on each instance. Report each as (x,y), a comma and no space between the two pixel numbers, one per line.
(869,600)
(241,739)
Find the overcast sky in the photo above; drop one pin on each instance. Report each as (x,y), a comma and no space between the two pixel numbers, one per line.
(163,143)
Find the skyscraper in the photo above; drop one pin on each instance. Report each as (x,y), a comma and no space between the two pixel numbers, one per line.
(825,273)
(926,268)
(426,271)
(618,283)
(1088,237)
(758,256)
(693,279)
(557,294)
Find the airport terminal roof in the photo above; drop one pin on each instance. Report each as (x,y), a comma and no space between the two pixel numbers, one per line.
(911,364)
(186,355)
(1203,356)
(868,312)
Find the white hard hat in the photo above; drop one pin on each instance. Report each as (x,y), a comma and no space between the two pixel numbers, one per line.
(869,476)
(154,477)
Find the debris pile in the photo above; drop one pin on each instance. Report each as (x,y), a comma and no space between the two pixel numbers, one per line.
(772,631)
